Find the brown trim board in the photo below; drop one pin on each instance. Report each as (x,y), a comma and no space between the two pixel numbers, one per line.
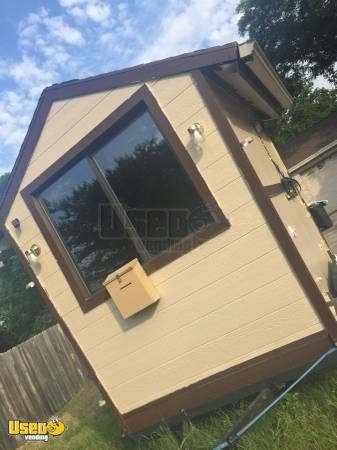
(116,120)
(268,366)
(25,154)
(267,208)
(147,72)
(250,78)
(112,80)
(65,328)
(258,86)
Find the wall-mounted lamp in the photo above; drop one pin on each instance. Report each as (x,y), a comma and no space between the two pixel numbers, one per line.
(33,253)
(248,140)
(197,133)
(16,223)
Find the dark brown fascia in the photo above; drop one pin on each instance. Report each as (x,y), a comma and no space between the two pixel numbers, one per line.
(148,72)
(243,71)
(141,73)
(229,384)
(25,153)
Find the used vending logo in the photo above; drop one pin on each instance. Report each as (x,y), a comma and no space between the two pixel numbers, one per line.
(36,431)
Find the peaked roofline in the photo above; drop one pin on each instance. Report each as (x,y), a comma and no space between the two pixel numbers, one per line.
(147,72)
(119,78)
(214,56)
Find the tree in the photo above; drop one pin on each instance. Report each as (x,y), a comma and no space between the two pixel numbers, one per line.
(298,36)
(3,182)
(310,106)
(22,312)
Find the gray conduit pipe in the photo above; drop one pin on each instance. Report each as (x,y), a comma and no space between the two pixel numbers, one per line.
(235,437)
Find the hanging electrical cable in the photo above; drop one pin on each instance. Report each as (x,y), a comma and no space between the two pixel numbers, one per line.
(235,437)
(291,186)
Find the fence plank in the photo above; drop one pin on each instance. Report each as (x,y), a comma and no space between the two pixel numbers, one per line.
(37,378)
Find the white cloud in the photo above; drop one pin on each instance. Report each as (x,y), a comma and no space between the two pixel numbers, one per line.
(122,9)
(5,169)
(15,113)
(90,37)
(70,3)
(53,28)
(42,39)
(55,54)
(192,24)
(108,38)
(63,32)
(98,12)
(77,12)
(28,75)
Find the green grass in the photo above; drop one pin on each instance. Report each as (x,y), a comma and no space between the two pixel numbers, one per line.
(305,419)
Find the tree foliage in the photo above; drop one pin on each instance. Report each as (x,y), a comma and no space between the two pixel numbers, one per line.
(298,36)
(22,312)
(3,182)
(310,106)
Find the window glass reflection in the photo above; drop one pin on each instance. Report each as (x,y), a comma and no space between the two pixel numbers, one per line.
(154,189)
(87,225)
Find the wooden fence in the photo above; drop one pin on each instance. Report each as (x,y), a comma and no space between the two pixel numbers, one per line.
(36,379)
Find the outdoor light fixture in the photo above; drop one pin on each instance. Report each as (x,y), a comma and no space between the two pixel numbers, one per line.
(30,285)
(16,223)
(197,133)
(246,141)
(33,253)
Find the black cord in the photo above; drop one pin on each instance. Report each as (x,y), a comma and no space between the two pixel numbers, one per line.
(291,186)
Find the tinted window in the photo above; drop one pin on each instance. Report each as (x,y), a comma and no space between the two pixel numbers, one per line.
(90,231)
(150,183)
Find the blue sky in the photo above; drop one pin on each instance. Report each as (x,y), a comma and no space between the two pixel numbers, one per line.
(47,41)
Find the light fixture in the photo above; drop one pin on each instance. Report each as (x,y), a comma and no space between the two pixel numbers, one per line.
(16,223)
(30,285)
(248,140)
(197,133)
(33,253)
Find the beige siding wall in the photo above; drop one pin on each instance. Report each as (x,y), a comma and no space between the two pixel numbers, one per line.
(300,224)
(294,214)
(228,300)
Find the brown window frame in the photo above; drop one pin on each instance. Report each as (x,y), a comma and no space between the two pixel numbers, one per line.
(115,121)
